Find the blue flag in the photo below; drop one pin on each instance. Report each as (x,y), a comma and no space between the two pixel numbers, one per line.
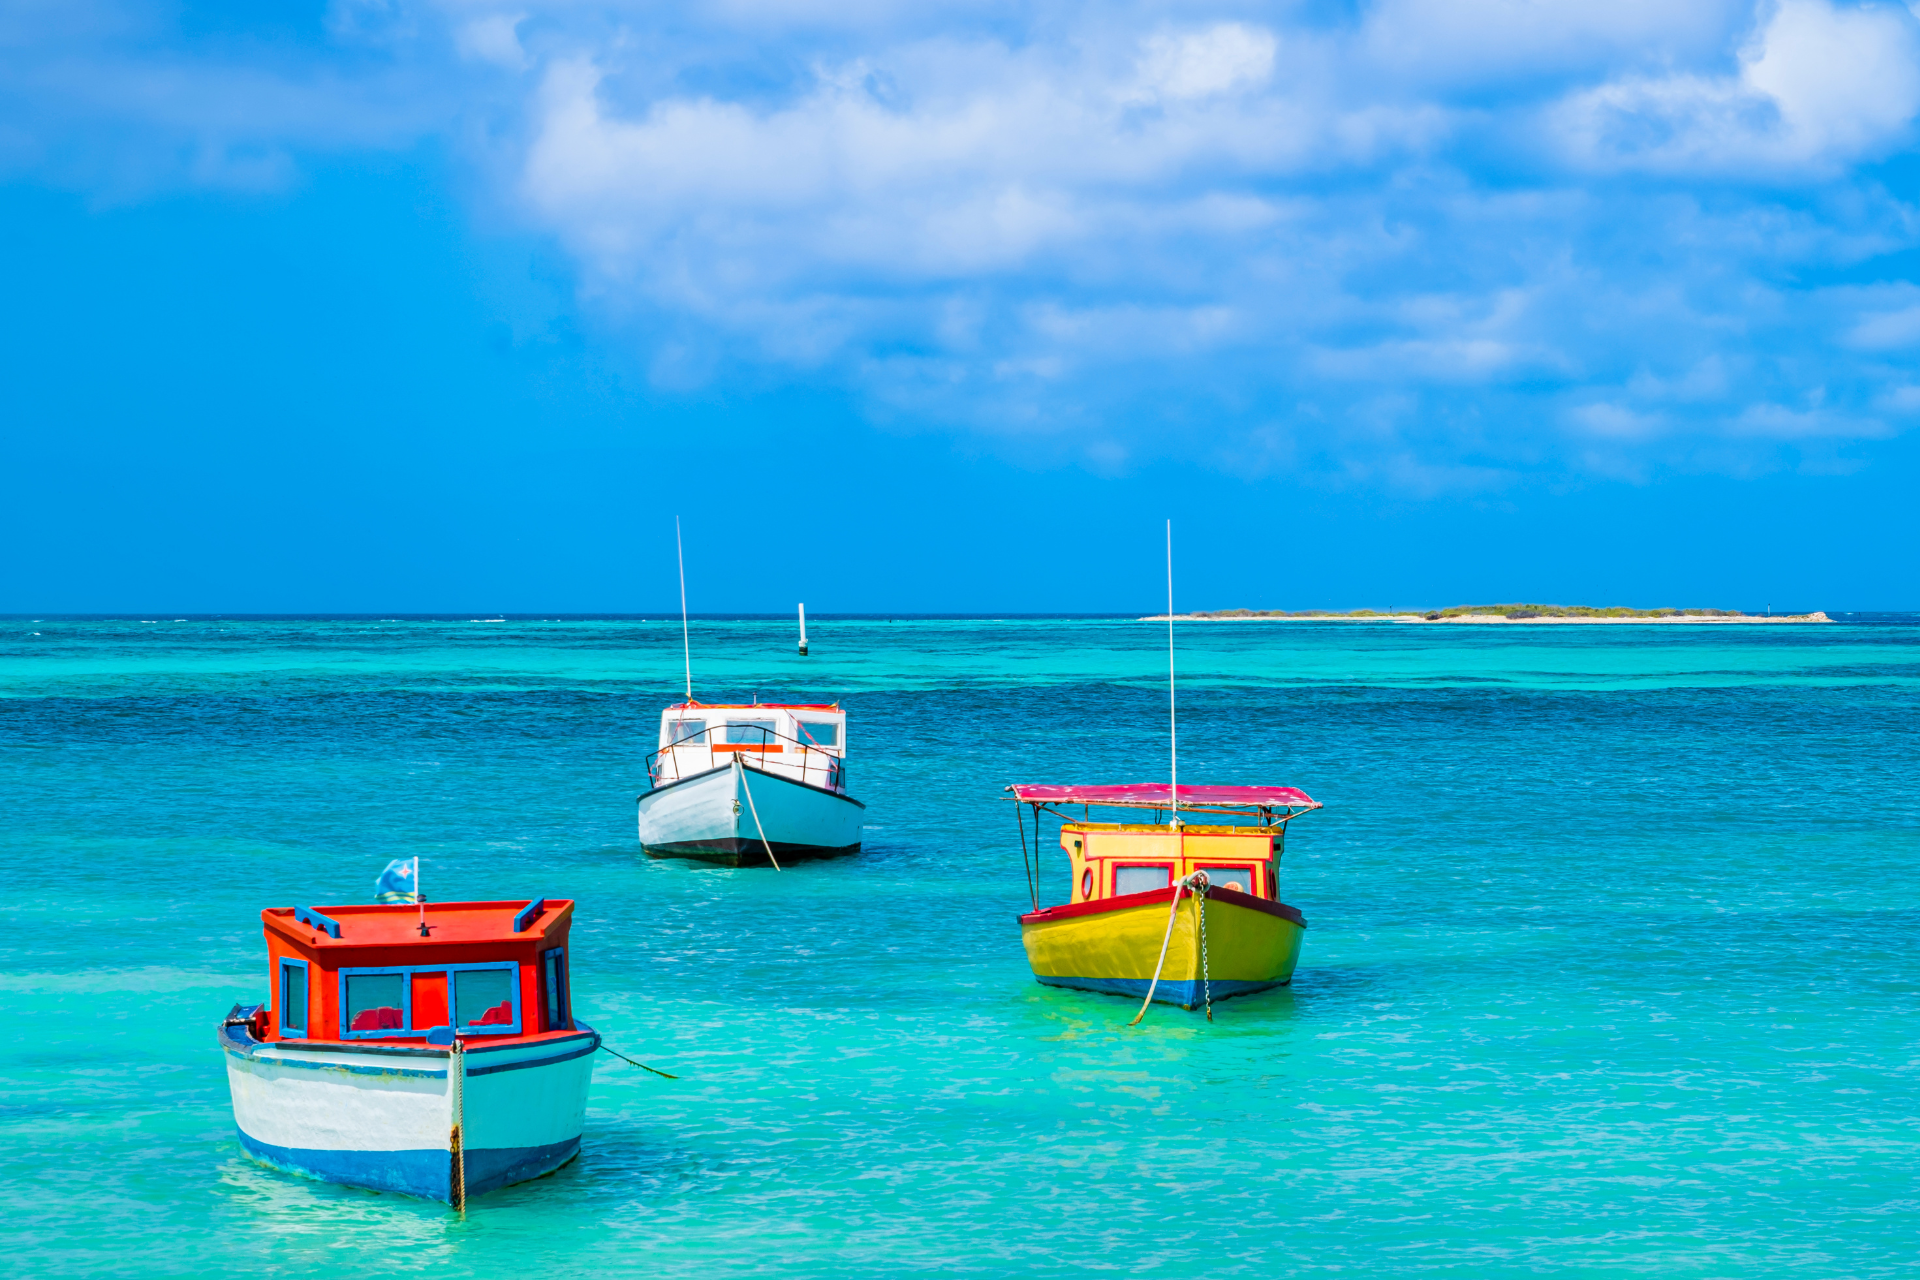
(398,882)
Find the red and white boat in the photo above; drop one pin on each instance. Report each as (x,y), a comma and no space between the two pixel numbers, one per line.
(425,1049)
(750,783)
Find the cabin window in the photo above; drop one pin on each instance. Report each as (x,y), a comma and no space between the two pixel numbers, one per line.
(1141,879)
(557,1016)
(756,732)
(1239,879)
(411,1001)
(681,730)
(820,733)
(376,1003)
(484,998)
(293,998)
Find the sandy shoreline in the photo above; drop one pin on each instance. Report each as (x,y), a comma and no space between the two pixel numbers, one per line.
(1477,619)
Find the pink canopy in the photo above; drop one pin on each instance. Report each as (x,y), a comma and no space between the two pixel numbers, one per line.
(1155,795)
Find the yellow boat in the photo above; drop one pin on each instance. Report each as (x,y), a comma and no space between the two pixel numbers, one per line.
(1187,913)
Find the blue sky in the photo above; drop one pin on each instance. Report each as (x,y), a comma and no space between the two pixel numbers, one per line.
(382,305)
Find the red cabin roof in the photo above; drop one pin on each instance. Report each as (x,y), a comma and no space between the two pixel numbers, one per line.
(367,972)
(754,706)
(398,925)
(1159,795)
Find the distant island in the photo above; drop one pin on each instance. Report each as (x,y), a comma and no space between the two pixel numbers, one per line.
(1498,613)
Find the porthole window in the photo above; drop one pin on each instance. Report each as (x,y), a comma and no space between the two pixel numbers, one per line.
(1086,883)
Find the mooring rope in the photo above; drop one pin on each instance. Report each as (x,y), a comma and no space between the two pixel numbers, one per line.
(457,1068)
(756,814)
(1198,881)
(643,1066)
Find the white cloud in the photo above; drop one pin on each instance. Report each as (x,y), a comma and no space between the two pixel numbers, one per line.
(1818,85)
(1028,160)
(1424,242)
(1778,422)
(1199,64)
(1899,399)
(1616,422)
(1477,42)
(494,38)
(1888,330)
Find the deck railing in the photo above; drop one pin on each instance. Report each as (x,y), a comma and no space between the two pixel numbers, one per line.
(814,765)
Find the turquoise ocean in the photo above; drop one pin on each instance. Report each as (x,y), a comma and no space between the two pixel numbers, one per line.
(1613,966)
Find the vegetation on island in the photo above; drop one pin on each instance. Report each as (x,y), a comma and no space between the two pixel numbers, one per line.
(1481,610)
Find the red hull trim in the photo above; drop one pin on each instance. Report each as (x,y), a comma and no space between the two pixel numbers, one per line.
(1123,902)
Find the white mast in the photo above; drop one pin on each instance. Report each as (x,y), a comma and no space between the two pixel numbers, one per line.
(1173,719)
(803,628)
(686,646)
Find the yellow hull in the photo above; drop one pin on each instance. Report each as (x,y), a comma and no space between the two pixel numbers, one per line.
(1113,945)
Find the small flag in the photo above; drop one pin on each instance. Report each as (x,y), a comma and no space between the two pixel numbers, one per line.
(397,882)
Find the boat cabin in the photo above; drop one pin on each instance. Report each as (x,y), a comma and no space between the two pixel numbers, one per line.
(1239,850)
(421,974)
(1110,859)
(804,741)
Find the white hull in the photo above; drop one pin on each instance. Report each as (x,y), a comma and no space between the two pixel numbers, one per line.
(710,816)
(384,1118)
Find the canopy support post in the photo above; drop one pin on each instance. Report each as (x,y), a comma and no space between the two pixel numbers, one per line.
(1032,873)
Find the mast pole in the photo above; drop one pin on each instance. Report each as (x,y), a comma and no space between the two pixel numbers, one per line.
(1173,719)
(686,646)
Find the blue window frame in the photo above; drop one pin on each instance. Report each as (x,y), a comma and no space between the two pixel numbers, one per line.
(291,1000)
(480,990)
(559,1010)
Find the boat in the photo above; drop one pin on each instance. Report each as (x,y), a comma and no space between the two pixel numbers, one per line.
(740,784)
(427,1049)
(1182,912)
(744,784)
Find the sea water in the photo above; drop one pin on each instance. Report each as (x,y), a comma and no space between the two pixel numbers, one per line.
(1611,968)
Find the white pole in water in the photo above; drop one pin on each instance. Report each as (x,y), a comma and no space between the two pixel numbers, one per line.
(1173,721)
(417,897)
(686,646)
(803,628)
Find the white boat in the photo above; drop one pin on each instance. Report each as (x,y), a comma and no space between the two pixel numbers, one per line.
(428,1051)
(742,784)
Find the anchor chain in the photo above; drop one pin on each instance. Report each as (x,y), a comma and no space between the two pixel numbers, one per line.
(1206,976)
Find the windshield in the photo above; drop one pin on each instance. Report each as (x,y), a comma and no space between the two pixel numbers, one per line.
(750,731)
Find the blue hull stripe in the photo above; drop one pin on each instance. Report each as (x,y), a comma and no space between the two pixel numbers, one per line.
(427,1174)
(1188,995)
(354,1069)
